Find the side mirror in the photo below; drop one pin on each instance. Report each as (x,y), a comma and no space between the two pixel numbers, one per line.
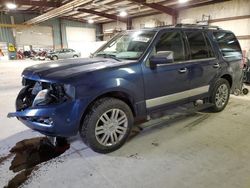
(162,57)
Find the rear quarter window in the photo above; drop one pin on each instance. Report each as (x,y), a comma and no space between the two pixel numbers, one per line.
(198,45)
(229,45)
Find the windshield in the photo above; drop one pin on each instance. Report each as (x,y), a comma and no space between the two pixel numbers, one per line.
(129,45)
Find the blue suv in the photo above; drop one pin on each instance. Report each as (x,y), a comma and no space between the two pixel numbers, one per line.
(135,74)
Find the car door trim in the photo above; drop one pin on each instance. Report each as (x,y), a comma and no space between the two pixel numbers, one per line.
(188,61)
(176,97)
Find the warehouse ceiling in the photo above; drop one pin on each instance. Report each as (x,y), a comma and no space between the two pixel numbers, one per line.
(99,11)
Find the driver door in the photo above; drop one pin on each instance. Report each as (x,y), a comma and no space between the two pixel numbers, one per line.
(167,84)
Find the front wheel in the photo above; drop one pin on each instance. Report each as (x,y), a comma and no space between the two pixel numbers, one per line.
(220,95)
(107,125)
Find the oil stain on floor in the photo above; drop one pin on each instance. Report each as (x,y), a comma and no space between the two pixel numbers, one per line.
(29,153)
(4,158)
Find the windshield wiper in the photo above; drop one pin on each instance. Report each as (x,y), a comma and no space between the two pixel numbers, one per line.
(108,56)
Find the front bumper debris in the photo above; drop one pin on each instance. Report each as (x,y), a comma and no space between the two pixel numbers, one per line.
(49,108)
(55,120)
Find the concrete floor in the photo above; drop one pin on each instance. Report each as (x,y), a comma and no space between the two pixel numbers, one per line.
(186,149)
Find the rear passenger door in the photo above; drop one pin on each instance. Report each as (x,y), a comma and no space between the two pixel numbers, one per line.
(204,65)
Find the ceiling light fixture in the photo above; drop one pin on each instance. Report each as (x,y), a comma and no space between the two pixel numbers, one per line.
(11,5)
(123,13)
(183,1)
(90,21)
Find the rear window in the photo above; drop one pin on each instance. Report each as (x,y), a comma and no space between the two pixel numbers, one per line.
(229,45)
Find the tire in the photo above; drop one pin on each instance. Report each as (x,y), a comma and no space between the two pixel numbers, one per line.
(54,57)
(75,56)
(23,99)
(245,91)
(237,92)
(105,138)
(220,95)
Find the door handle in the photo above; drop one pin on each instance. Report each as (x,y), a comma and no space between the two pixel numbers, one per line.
(216,65)
(183,70)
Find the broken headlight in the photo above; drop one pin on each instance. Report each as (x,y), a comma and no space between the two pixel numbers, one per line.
(37,93)
(52,94)
(42,98)
(69,90)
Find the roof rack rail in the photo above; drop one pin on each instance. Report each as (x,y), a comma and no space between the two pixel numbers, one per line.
(160,26)
(198,26)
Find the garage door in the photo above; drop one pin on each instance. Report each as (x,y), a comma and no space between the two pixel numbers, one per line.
(40,37)
(81,39)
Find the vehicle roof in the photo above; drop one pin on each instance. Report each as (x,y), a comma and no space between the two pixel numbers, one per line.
(204,28)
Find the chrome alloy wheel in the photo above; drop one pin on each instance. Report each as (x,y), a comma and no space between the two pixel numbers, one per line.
(111,127)
(221,96)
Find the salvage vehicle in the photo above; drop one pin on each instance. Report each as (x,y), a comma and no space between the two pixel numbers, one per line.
(134,75)
(63,54)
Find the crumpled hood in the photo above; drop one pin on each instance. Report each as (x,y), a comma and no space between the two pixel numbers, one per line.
(66,69)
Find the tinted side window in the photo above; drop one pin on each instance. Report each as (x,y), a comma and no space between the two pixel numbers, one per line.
(228,45)
(197,43)
(172,41)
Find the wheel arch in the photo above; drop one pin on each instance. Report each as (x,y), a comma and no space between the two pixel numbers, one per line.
(121,95)
(228,78)
(55,55)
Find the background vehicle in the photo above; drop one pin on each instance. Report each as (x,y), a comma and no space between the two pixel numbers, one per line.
(41,55)
(63,54)
(134,75)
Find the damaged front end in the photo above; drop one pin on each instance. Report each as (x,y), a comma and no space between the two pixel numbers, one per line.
(37,93)
(43,106)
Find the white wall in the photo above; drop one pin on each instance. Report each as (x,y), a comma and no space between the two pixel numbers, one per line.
(223,10)
(240,28)
(152,21)
(81,39)
(138,23)
(113,26)
(147,21)
(37,36)
(216,11)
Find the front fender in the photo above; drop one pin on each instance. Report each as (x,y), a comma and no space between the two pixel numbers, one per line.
(127,79)
(121,85)
(133,90)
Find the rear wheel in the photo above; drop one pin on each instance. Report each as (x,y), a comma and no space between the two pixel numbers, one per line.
(55,57)
(107,125)
(220,95)
(75,56)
